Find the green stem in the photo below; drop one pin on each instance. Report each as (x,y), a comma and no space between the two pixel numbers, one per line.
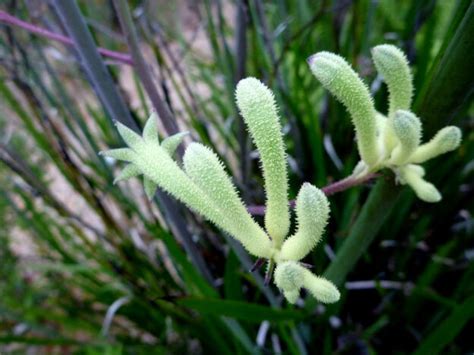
(374,213)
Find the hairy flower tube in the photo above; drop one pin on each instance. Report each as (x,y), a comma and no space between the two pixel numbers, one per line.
(392,141)
(205,187)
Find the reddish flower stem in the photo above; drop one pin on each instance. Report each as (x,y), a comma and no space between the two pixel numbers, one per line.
(329,190)
(14,21)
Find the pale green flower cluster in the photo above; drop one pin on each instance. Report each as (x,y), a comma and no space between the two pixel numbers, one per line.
(204,186)
(391,141)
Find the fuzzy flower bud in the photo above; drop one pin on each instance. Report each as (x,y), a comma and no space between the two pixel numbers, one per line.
(336,75)
(290,277)
(410,174)
(392,64)
(207,171)
(312,213)
(407,128)
(446,140)
(258,108)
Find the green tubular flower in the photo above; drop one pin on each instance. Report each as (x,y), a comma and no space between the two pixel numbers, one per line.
(446,140)
(321,289)
(207,171)
(385,142)
(312,213)
(155,163)
(392,64)
(259,111)
(413,176)
(290,277)
(206,188)
(407,128)
(336,75)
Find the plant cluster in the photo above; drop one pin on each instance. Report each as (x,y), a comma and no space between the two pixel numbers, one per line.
(204,186)
(391,141)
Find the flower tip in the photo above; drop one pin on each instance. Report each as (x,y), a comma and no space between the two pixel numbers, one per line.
(248,82)
(250,92)
(379,49)
(318,59)
(406,119)
(430,195)
(291,296)
(323,290)
(388,50)
(334,296)
(153,115)
(310,60)
(451,138)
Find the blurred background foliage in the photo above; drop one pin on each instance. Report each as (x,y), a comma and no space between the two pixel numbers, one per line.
(89,267)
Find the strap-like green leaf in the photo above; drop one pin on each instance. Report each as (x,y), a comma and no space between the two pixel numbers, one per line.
(249,312)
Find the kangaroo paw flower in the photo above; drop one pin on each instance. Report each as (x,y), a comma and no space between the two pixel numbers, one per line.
(392,64)
(446,140)
(290,277)
(336,75)
(385,142)
(312,213)
(407,128)
(207,171)
(204,186)
(128,172)
(258,108)
(411,175)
